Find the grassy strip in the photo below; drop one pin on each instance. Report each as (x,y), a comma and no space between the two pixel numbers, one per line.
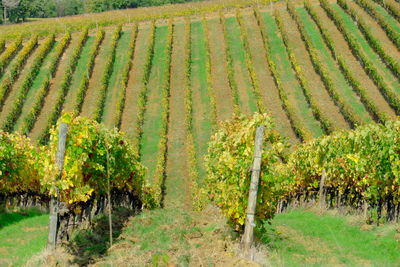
(52,119)
(318,114)
(98,113)
(297,125)
(348,113)
(369,36)
(89,70)
(371,9)
(16,68)
(249,62)
(5,57)
(125,77)
(367,64)
(158,180)
(39,100)
(211,92)
(229,65)
(143,93)
(346,70)
(8,125)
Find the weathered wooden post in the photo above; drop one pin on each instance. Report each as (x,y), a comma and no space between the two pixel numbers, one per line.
(321,198)
(247,239)
(55,200)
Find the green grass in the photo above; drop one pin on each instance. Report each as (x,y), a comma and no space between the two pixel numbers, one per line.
(35,87)
(115,79)
(78,74)
(239,60)
(22,235)
(304,238)
(341,85)
(201,102)
(288,77)
(383,70)
(152,116)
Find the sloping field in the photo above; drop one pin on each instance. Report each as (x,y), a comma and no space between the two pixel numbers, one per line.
(316,67)
(283,61)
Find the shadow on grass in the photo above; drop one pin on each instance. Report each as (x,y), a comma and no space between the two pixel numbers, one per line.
(8,218)
(87,245)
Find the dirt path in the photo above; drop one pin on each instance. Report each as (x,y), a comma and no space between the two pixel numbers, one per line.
(268,89)
(314,80)
(152,116)
(201,102)
(89,104)
(223,94)
(177,182)
(78,74)
(332,67)
(343,48)
(17,85)
(382,69)
(287,75)
(378,31)
(135,83)
(115,88)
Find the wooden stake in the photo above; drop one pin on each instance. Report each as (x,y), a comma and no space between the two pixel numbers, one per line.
(321,198)
(109,194)
(55,200)
(247,239)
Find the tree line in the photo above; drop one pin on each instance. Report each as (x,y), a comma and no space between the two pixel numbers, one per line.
(14,11)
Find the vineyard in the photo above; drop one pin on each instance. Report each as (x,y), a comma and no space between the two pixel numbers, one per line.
(168,77)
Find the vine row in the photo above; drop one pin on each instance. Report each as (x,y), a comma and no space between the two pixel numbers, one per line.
(371,9)
(297,125)
(30,119)
(159,175)
(16,68)
(211,92)
(347,111)
(191,149)
(346,70)
(390,7)
(125,77)
(372,41)
(5,57)
(26,84)
(229,65)
(249,62)
(65,84)
(143,93)
(94,50)
(98,113)
(367,64)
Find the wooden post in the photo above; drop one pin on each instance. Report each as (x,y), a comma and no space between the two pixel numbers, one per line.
(321,199)
(109,194)
(55,200)
(247,239)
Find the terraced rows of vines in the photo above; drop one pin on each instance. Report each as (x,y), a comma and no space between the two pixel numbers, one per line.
(167,83)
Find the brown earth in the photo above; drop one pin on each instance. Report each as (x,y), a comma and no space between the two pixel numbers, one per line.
(95,82)
(135,83)
(223,93)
